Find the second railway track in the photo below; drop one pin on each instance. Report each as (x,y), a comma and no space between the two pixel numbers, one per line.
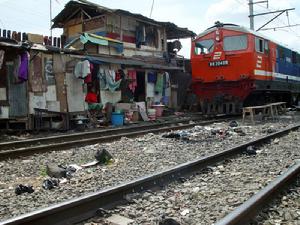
(35,145)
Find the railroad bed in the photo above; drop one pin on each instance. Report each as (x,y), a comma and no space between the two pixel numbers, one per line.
(44,135)
(31,146)
(207,197)
(282,210)
(133,158)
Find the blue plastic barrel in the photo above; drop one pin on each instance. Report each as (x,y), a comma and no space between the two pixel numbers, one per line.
(117,119)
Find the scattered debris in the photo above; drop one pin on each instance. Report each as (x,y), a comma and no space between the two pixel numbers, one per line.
(102,213)
(86,165)
(182,135)
(49,184)
(185,212)
(168,221)
(239,131)
(131,198)
(53,170)
(251,150)
(119,220)
(271,130)
(182,179)
(219,131)
(207,169)
(171,135)
(103,156)
(233,124)
(20,189)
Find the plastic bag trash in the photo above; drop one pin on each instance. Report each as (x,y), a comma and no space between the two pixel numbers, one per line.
(183,135)
(250,150)
(53,170)
(168,221)
(171,135)
(49,184)
(103,156)
(70,169)
(233,124)
(20,189)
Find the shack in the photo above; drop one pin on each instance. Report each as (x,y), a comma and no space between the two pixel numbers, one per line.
(127,60)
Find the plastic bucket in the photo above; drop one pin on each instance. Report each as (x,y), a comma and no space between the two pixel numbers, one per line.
(159,110)
(152,114)
(117,119)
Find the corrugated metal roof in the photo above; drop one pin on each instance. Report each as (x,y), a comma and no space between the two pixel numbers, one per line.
(173,31)
(126,61)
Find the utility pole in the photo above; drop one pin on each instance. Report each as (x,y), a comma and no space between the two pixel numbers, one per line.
(278,12)
(251,17)
(50,18)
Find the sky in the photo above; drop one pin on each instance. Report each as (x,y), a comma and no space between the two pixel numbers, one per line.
(197,15)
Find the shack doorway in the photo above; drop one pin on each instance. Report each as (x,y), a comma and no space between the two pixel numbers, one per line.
(140,91)
(17,93)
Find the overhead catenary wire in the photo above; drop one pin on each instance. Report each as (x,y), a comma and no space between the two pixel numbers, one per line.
(269,9)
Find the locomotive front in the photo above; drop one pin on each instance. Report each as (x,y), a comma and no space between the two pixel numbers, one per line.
(222,68)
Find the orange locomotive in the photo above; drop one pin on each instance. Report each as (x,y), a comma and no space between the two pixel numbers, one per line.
(234,67)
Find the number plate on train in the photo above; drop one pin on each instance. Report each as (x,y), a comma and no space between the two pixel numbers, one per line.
(219,63)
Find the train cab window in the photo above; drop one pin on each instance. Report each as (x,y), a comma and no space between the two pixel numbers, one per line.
(204,46)
(235,43)
(266,46)
(259,45)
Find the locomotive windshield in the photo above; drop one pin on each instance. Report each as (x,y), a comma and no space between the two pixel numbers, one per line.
(235,43)
(204,46)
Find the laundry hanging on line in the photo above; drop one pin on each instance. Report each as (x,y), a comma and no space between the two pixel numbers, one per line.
(107,79)
(23,69)
(133,82)
(82,69)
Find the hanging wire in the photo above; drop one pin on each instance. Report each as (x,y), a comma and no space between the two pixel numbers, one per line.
(151,8)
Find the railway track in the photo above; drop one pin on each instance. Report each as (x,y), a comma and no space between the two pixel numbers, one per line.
(249,209)
(53,143)
(85,207)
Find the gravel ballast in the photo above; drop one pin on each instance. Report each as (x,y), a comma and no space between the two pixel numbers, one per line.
(283,210)
(206,198)
(133,158)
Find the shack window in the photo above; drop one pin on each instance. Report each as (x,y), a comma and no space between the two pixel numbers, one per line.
(234,43)
(259,45)
(204,47)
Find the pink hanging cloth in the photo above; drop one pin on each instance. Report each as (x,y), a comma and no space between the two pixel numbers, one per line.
(132,77)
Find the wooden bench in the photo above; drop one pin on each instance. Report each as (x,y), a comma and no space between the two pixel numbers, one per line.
(271,110)
(278,107)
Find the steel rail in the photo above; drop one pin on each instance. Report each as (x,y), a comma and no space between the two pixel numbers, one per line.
(105,137)
(85,207)
(94,133)
(243,214)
